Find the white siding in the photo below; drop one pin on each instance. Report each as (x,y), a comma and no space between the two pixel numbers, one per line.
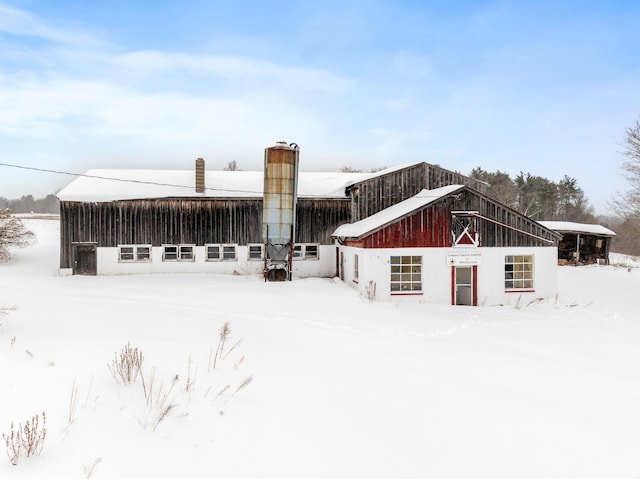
(108,264)
(374,269)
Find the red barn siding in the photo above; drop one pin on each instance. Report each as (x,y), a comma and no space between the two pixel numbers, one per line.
(429,228)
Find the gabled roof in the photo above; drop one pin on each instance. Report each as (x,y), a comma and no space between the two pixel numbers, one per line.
(113,185)
(582,228)
(395,212)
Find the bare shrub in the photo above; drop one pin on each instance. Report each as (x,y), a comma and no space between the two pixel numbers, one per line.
(13,234)
(223,334)
(27,440)
(128,365)
(243,384)
(89,470)
(159,402)
(370,291)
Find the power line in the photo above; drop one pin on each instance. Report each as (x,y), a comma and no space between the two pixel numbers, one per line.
(123,180)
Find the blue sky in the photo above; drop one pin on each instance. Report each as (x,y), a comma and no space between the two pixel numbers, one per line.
(544,87)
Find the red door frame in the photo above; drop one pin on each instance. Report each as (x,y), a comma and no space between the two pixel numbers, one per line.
(474,285)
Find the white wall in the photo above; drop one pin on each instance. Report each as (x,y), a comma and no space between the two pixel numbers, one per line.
(108,264)
(374,269)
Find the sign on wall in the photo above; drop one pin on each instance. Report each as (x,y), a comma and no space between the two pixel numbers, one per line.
(464,258)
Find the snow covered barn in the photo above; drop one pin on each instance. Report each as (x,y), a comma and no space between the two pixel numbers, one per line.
(582,243)
(197,221)
(449,245)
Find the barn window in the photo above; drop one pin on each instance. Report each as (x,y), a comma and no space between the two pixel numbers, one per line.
(126,253)
(229,252)
(213,252)
(518,272)
(221,252)
(143,253)
(355,268)
(406,274)
(305,251)
(255,252)
(186,253)
(169,253)
(178,253)
(311,251)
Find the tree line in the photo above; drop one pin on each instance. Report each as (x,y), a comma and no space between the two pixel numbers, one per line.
(537,197)
(29,204)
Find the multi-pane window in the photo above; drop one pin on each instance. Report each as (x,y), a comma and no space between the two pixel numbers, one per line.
(186,253)
(169,253)
(178,253)
(518,272)
(229,253)
(213,252)
(355,268)
(255,252)
(305,251)
(311,251)
(221,252)
(406,274)
(141,254)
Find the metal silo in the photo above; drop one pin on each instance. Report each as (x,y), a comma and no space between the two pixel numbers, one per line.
(279,209)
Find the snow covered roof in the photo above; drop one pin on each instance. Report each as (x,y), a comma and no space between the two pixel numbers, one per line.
(388,215)
(570,227)
(113,185)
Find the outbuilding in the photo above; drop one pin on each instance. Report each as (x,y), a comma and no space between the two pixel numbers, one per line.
(582,243)
(449,245)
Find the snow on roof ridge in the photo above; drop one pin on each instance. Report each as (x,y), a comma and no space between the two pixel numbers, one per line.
(128,184)
(570,226)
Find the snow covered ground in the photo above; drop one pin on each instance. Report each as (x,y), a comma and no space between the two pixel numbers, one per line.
(339,387)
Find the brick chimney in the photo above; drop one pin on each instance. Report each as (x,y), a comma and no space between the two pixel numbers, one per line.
(200,175)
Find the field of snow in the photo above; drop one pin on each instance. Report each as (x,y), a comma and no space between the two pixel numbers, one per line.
(320,383)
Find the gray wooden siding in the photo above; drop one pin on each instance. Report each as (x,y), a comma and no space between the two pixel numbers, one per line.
(188,221)
(375,194)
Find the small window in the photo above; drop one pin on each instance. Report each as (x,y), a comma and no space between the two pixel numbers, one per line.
(255,252)
(126,253)
(213,252)
(406,274)
(355,268)
(134,254)
(518,272)
(186,253)
(311,251)
(305,251)
(170,253)
(229,253)
(143,254)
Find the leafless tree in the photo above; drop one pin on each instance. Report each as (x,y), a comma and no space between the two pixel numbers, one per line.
(13,234)
(232,166)
(627,205)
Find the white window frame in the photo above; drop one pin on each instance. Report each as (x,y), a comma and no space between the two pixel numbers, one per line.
(405,274)
(356,266)
(209,247)
(519,272)
(185,253)
(255,246)
(224,250)
(305,251)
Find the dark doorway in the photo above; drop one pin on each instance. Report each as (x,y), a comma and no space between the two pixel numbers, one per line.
(84,259)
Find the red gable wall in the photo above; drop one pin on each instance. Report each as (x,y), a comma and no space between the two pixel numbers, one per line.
(429,227)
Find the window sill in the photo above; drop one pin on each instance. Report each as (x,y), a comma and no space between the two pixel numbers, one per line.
(410,293)
(520,291)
